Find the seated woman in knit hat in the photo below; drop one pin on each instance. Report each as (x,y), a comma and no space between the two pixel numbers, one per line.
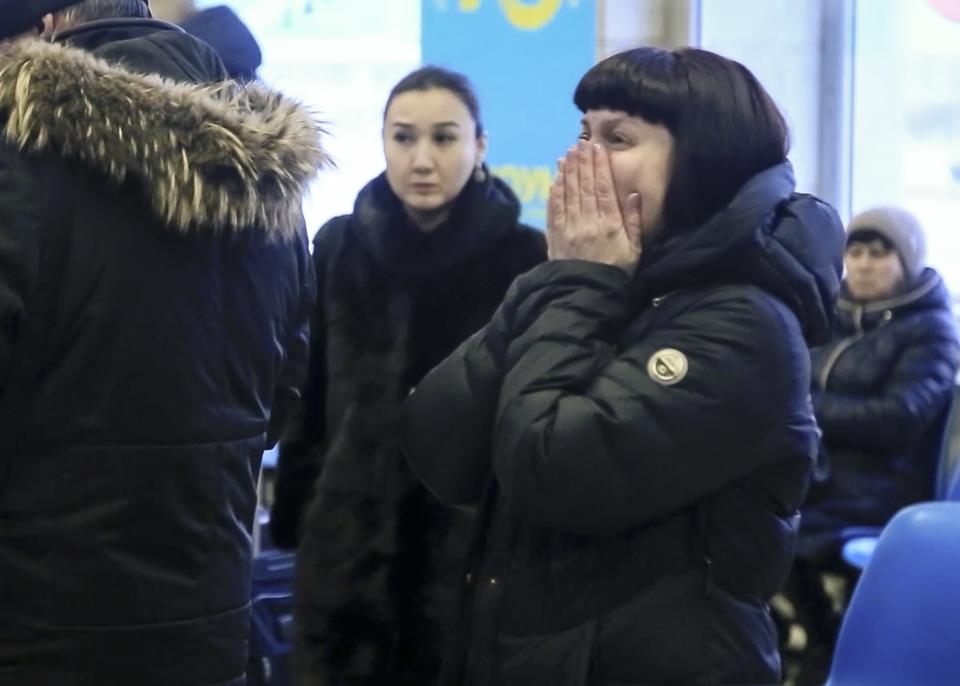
(881,392)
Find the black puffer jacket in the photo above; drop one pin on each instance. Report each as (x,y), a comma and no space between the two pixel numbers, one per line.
(642,450)
(155,291)
(380,560)
(882,388)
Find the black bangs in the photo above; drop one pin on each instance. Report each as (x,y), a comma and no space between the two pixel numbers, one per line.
(725,127)
(642,82)
(869,236)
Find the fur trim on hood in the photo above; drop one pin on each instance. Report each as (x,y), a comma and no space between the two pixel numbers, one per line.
(224,157)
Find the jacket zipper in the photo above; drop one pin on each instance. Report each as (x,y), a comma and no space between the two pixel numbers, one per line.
(658,301)
(858,312)
(842,347)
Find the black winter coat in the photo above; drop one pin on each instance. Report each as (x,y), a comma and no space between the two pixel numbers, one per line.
(380,560)
(640,451)
(155,291)
(881,391)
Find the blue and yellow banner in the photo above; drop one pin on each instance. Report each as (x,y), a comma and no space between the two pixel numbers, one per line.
(525,58)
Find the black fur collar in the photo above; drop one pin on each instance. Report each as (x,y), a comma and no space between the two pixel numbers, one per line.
(483,212)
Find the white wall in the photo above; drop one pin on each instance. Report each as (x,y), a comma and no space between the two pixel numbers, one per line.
(906,124)
(780,42)
(340,57)
(626,24)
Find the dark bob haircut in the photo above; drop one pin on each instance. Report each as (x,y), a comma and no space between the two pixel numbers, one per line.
(429,78)
(726,127)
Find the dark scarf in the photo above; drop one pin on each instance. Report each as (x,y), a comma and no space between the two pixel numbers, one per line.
(381,289)
(371,566)
(479,216)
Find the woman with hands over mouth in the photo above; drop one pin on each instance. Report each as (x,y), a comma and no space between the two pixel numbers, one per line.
(634,424)
(584,216)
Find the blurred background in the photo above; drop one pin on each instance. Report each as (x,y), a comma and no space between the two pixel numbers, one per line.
(871,88)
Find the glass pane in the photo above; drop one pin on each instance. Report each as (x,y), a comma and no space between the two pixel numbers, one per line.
(906,128)
(340,57)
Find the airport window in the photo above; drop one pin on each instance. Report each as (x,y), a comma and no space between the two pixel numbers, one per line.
(341,57)
(906,117)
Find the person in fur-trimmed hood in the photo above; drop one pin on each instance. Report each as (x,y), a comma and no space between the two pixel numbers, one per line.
(155,291)
(423,262)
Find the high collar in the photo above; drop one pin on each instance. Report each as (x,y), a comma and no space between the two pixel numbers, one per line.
(92,35)
(480,215)
(788,244)
(926,292)
(147,46)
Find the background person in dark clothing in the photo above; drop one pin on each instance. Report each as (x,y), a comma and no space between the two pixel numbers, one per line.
(221,28)
(638,409)
(422,263)
(19,19)
(155,291)
(881,392)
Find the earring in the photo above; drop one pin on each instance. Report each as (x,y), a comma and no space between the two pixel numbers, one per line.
(479,174)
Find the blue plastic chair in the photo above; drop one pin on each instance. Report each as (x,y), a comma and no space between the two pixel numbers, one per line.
(903,624)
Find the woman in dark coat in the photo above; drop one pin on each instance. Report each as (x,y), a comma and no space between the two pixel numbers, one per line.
(881,392)
(641,432)
(422,263)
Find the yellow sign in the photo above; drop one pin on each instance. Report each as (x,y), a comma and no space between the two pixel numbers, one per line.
(531,184)
(526,16)
(530,17)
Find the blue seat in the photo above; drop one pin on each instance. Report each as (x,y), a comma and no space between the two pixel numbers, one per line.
(857,551)
(903,624)
(858,542)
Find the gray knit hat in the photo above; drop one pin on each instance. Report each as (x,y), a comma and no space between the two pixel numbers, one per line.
(900,228)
